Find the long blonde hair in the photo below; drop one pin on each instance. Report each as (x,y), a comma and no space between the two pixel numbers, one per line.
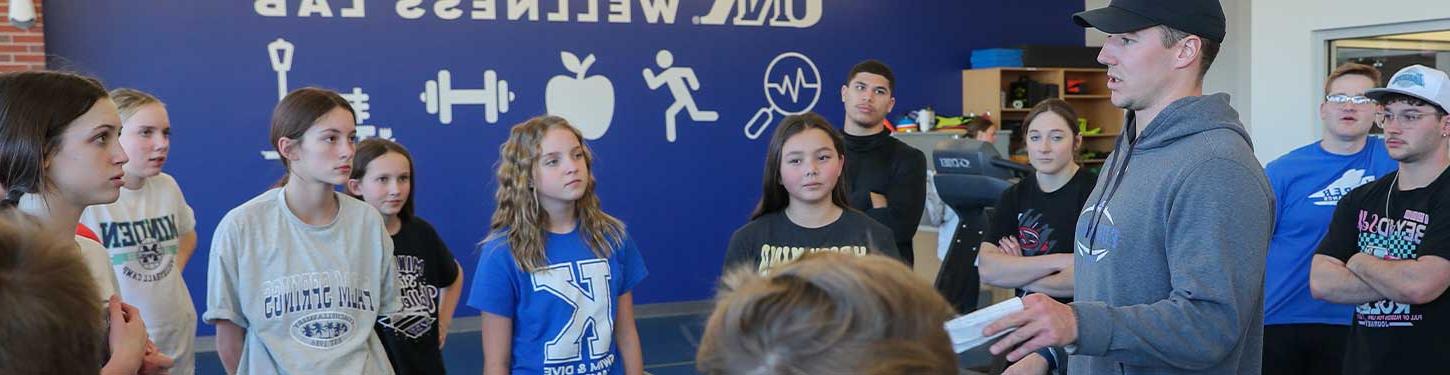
(827,313)
(521,219)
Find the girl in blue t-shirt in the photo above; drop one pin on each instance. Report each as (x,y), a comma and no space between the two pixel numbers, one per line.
(556,272)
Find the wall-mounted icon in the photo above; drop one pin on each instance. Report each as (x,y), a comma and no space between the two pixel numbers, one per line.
(439,96)
(279,53)
(586,101)
(360,108)
(682,81)
(787,95)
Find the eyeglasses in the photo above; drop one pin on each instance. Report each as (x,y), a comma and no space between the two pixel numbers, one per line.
(1341,99)
(1408,117)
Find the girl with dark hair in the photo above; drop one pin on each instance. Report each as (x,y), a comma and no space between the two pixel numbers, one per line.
(300,273)
(803,207)
(382,176)
(59,149)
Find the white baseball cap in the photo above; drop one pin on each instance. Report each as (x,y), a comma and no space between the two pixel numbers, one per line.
(1420,82)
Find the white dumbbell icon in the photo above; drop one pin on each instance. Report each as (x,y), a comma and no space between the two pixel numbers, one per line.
(440,96)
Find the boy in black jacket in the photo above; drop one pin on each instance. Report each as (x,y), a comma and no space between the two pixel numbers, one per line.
(885,177)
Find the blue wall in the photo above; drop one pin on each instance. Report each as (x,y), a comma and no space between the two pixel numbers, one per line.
(209,61)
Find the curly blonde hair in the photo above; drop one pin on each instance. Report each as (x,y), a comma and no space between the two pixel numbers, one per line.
(519,217)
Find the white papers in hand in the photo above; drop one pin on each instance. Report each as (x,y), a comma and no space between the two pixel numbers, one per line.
(966,330)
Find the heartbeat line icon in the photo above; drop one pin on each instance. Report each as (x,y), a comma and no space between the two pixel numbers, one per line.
(790,87)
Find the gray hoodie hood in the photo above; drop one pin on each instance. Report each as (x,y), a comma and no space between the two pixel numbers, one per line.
(1171,249)
(1190,116)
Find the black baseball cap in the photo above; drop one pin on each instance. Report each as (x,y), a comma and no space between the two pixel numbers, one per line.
(1203,18)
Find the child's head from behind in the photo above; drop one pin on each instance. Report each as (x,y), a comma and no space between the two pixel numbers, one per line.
(828,313)
(545,165)
(47,302)
(382,175)
(803,164)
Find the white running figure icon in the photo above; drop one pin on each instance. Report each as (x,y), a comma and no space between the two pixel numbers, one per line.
(681,80)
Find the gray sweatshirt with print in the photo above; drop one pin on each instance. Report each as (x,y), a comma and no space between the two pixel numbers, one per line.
(1170,249)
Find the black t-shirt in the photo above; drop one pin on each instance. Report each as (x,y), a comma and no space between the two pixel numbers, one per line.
(425,267)
(772,240)
(885,165)
(1043,222)
(1388,337)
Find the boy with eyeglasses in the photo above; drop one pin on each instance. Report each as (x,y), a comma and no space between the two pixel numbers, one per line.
(1303,335)
(1388,241)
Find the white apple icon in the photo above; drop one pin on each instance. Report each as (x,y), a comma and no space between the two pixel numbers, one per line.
(586,101)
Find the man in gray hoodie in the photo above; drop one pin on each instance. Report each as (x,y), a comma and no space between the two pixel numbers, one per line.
(1171,247)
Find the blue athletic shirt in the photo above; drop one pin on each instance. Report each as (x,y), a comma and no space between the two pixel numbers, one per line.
(563,315)
(1307,183)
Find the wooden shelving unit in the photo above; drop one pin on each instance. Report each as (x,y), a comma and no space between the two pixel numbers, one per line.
(983,92)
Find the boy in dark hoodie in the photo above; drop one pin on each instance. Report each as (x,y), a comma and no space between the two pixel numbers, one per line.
(1171,247)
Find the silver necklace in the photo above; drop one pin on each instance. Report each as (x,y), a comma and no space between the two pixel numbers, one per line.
(1393,186)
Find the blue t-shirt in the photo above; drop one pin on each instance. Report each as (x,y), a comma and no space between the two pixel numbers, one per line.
(1308,182)
(563,315)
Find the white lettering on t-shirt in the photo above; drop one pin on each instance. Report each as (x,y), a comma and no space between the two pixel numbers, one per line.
(1330,195)
(420,299)
(589,295)
(772,256)
(310,291)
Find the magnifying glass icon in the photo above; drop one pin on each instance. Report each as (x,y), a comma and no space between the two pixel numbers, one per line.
(788,84)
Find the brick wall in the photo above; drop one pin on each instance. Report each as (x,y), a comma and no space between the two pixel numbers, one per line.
(21,49)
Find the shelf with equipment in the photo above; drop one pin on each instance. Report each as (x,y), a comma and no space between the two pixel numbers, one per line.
(992,91)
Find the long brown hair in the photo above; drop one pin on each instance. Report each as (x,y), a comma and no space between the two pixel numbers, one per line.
(827,313)
(1055,106)
(35,109)
(773,196)
(374,148)
(297,112)
(45,303)
(977,125)
(521,219)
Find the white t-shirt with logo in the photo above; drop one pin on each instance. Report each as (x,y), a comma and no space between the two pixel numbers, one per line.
(100,266)
(306,295)
(97,261)
(141,232)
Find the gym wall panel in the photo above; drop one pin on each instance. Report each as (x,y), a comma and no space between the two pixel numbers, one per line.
(1286,88)
(219,65)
